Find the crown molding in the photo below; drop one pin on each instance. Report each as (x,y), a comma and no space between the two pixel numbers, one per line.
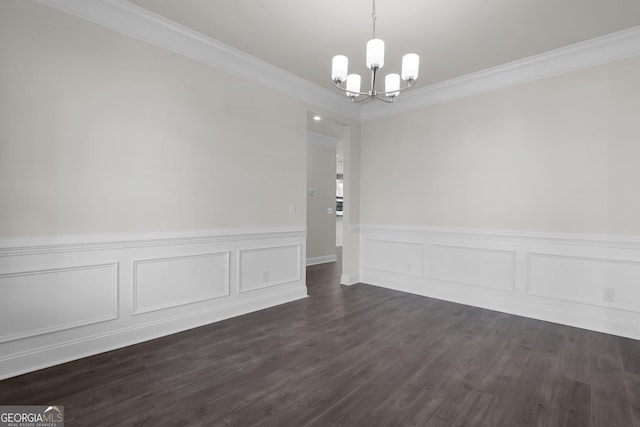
(611,47)
(138,22)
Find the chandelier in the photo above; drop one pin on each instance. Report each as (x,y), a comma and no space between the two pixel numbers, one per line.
(375,61)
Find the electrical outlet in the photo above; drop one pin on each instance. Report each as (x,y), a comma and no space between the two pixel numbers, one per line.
(292,209)
(265,276)
(609,294)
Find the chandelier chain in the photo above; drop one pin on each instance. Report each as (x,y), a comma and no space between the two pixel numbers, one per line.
(373,17)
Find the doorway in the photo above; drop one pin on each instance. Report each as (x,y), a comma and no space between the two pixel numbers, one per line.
(325,194)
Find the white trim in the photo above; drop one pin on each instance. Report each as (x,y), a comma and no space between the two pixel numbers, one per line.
(227,291)
(140,23)
(349,280)
(575,318)
(597,240)
(85,322)
(44,357)
(47,347)
(60,244)
(621,317)
(512,284)
(600,50)
(270,283)
(604,304)
(322,259)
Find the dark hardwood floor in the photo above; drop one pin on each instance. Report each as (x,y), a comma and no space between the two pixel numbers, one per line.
(353,356)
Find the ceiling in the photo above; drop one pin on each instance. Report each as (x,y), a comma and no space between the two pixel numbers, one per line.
(452,37)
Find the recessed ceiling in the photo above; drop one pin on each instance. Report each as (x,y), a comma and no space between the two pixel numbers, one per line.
(452,37)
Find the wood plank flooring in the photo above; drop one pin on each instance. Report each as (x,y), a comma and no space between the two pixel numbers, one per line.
(352,356)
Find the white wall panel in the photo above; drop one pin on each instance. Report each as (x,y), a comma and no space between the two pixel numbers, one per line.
(43,301)
(265,267)
(474,266)
(553,277)
(394,256)
(583,280)
(61,298)
(169,282)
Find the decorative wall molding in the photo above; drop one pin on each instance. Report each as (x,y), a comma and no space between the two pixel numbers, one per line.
(179,282)
(101,242)
(600,50)
(406,258)
(280,264)
(458,266)
(594,274)
(42,284)
(157,284)
(61,352)
(322,259)
(140,23)
(553,277)
(135,21)
(593,240)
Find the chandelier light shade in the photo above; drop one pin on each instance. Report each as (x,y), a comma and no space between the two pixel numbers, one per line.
(353,84)
(410,65)
(392,84)
(339,68)
(374,61)
(375,53)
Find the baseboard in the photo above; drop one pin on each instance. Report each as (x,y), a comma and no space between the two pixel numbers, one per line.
(349,280)
(40,358)
(322,259)
(556,278)
(114,291)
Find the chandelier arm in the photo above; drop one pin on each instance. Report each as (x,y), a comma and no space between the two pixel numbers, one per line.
(386,98)
(409,84)
(357,99)
(339,68)
(344,89)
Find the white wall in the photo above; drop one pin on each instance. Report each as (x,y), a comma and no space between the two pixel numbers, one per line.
(522,200)
(142,193)
(555,155)
(321,177)
(103,133)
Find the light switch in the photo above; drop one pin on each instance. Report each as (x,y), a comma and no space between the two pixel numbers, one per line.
(329,211)
(292,210)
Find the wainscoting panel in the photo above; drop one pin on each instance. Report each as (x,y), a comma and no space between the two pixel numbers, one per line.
(70,297)
(44,301)
(169,282)
(266,267)
(591,282)
(584,280)
(474,266)
(394,256)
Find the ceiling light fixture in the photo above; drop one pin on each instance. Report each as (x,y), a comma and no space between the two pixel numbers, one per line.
(317,118)
(375,61)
